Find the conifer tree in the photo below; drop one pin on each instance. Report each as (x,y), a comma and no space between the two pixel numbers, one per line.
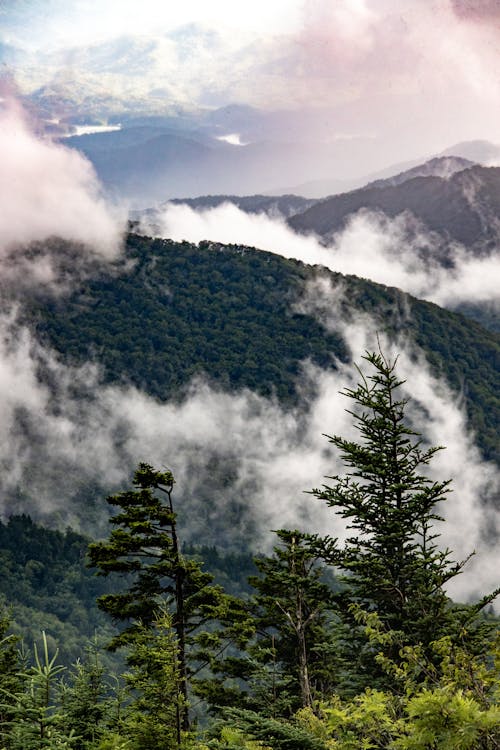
(37,721)
(145,547)
(293,610)
(151,719)
(393,562)
(292,657)
(11,680)
(85,701)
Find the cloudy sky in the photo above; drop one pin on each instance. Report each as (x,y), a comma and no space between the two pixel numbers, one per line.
(420,75)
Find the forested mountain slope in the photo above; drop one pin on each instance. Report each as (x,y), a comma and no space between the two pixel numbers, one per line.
(175,310)
(463,208)
(46,580)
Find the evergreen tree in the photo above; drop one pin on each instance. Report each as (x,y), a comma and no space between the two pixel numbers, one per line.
(292,657)
(393,563)
(10,677)
(153,682)
(294,620)
(84,701)
(145,547)
(37,720)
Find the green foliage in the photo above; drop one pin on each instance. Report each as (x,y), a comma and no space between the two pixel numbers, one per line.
(175,310)
(153,718)
(178,311)
(289,651)
(144,546)
(85,700)
(456,708)
(230,738)
(393,562)
(449,721)
(10,679)
(37,721)
(61,598)
(294,621)
(45,579)
(277,733)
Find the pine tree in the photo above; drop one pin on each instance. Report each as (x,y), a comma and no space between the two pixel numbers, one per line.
(393,562)
(145,547)
(292,657)
(153,683)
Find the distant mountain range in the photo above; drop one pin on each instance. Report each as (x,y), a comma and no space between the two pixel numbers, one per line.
(153,159)
(282,206)
(290,205)
(151,163)
(286,206)
(463,207)
(444,164)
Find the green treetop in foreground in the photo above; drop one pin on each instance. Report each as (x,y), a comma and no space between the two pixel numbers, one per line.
(144,546)
(393,563)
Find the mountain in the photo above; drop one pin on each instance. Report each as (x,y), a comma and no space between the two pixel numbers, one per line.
(439,166)
(462,208)
(228,312)
(283,206)
(149,164)
(395,174)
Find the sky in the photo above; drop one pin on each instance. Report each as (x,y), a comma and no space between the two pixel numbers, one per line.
(415,76)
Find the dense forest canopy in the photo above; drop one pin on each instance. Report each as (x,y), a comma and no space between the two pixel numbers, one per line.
(378,657)
(175,310)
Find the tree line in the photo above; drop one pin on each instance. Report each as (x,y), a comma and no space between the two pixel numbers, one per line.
(373,655)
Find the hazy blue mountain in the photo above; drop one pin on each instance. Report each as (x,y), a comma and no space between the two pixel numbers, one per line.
(282,206)
(147,165)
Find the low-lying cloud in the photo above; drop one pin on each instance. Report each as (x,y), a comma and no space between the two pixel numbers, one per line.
(48,190)
(242,462)
(395,252)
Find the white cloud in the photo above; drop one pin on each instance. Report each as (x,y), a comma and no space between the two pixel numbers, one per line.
(84,22)
(47,190)
(416,74)
(242,463)
(371,246)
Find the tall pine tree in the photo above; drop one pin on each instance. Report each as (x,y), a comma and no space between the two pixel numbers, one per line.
(144,546)
(392,561)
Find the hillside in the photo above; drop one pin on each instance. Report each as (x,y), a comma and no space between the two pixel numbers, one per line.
(274,206)
(146,164)
(228,312)
(462,208)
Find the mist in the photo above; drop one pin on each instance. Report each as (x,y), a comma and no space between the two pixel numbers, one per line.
(48,190)
(387,251)
(243,464)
